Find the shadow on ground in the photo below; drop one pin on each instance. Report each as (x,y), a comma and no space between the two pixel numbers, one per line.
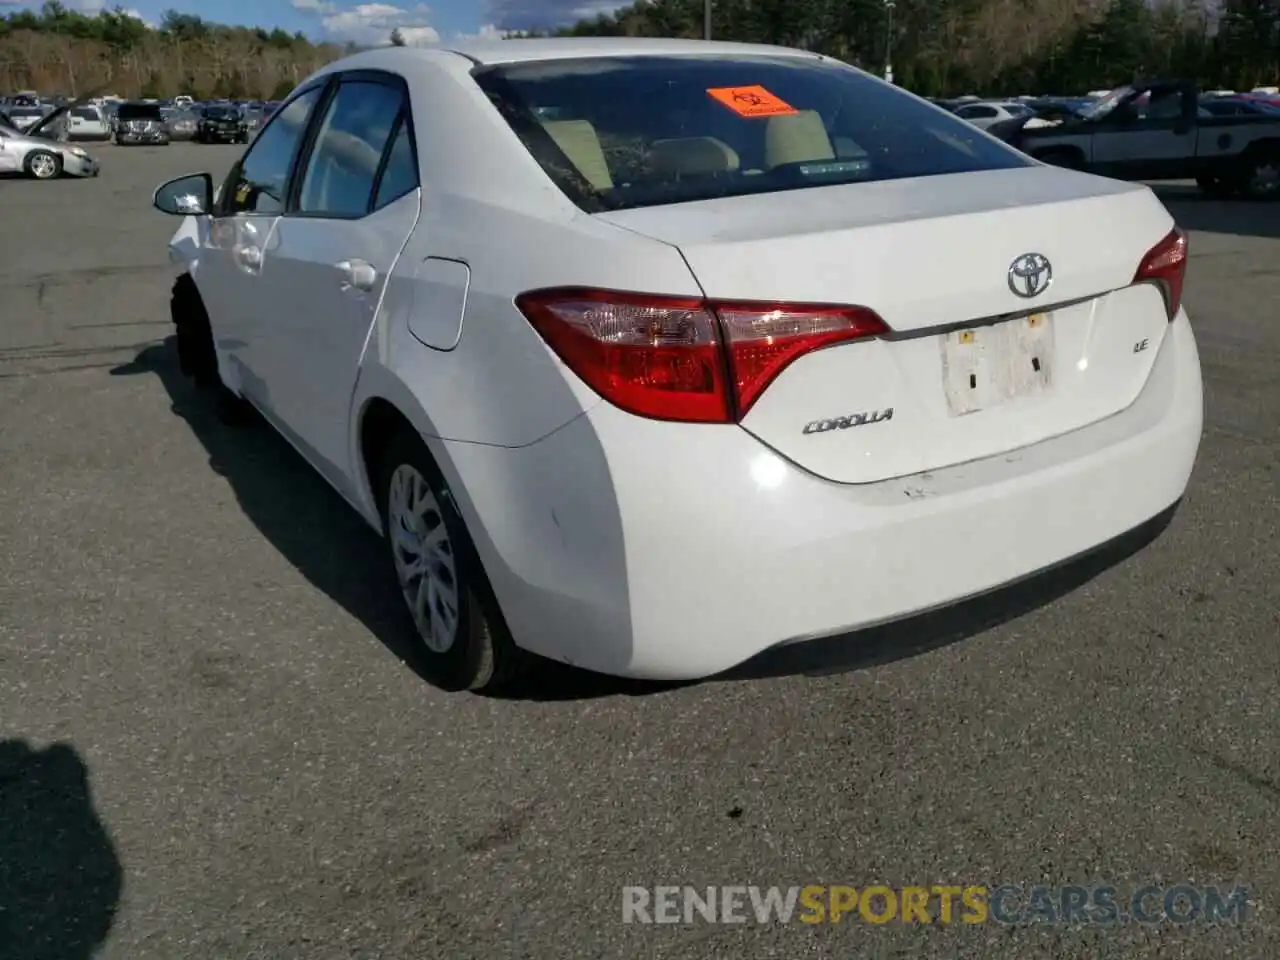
(60,878)
(331,546)
(1195,211)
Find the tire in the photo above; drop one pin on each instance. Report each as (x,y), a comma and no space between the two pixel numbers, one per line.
(1260,175)
(43,165)
(1215,185)
(474,651)
(196,356)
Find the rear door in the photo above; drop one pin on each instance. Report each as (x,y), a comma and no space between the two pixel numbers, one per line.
(231,266)
(353,207)
(1154,141)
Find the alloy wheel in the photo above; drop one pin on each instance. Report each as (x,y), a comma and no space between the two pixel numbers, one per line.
(424,558)
(43,166)
(1264,180)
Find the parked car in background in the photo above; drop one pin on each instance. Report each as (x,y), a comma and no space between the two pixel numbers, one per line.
(182,123)
(42,158)
(616,396)
(983,115)
(1161,130)
(1239,107)
(254,118)
(222,123)
(87,122)
(139,123)
(26,116)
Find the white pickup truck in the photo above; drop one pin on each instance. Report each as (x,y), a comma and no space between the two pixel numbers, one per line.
(1157,131)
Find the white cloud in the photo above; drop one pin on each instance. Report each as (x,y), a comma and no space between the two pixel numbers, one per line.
(93,7)
(489,31)
(138,15)
(368,24)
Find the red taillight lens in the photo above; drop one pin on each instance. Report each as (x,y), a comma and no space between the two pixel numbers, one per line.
(654,356)
(1166,264)
(684,358)
(764,338)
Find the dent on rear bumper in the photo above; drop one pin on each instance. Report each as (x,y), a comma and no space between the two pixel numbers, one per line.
(677,551)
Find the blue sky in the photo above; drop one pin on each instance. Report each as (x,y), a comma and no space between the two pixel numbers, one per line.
(364,21)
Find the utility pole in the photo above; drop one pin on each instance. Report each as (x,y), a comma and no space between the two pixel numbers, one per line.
(888,41)
(706,20)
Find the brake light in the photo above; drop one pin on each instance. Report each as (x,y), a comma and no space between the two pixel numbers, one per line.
(1166,265)
(685,358)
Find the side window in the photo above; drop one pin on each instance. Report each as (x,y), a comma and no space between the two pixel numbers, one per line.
(260,181)
(401,173)
(343,165)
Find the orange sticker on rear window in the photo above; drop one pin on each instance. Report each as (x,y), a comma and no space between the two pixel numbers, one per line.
(752,101)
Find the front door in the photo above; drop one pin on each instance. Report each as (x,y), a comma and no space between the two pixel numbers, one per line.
(328,262)
(10,156)
(233,257)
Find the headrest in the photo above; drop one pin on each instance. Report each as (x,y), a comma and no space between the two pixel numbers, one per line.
(692,157)
(796,138)
(578,141)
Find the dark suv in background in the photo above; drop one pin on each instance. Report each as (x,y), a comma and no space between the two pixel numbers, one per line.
(222,124)
(140,123)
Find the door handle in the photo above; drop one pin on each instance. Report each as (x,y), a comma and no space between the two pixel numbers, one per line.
(357,274)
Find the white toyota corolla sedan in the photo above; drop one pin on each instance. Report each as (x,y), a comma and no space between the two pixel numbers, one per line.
(649,356)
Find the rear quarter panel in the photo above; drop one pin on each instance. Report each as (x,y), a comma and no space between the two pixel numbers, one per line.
(486,204)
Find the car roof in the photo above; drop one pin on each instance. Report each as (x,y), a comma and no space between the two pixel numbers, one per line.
(492,52)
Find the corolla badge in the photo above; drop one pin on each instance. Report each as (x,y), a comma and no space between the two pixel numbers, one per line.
(851,420)
(1030,275)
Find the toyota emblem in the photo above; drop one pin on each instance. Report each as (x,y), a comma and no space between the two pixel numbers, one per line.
(1030,275)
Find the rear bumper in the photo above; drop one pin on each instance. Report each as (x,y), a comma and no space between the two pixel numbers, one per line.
(671,551)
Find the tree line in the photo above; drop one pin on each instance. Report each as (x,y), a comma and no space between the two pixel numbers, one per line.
(64,51)
(993,47)
(937,47)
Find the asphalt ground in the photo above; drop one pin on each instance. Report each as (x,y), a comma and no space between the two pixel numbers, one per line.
(209,748)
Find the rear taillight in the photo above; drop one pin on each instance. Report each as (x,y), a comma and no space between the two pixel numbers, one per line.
(685,358)
(1166,265)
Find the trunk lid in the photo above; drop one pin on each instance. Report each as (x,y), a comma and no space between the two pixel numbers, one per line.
(972,370)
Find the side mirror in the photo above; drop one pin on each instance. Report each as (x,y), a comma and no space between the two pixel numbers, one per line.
(187,196)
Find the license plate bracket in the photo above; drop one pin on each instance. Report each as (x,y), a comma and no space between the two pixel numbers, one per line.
(985,367)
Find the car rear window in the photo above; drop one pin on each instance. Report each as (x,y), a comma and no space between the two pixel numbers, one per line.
(618,133)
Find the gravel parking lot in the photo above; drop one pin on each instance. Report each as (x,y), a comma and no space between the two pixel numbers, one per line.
(209,748)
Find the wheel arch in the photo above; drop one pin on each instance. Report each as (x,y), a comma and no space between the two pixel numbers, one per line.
(1263,145)
(1065,150)
(382,407)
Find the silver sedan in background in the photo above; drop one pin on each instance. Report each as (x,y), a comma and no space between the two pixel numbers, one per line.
(42,157)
